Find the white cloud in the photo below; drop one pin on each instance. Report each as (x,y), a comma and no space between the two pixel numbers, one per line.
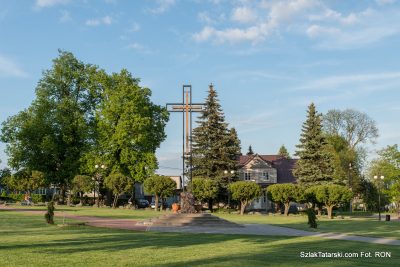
(9,68)
(244,15)
(336,82)
(140,48)
(329,15)
(65,16)
(135,27)
(278,13)
(317,31)
(341,40)
(162,6)
(329,29)
(49,3)
(106,20)
(385,2)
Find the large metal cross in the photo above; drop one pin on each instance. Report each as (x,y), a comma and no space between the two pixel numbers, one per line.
(186,108)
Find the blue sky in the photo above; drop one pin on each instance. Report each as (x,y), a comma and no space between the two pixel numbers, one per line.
(267,59)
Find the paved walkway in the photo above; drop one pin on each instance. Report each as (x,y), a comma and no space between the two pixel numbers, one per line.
(267,229)
(248,229)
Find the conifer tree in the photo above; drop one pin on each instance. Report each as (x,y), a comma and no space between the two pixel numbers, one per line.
(215,148)
(283,152)
(234,147)
(314,166)
(250,152)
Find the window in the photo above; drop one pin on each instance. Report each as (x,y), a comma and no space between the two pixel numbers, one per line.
(265,175)
(247,176)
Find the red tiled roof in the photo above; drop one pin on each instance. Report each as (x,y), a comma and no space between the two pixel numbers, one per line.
(283,166)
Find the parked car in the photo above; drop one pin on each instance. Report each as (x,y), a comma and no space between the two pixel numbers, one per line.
(142,203)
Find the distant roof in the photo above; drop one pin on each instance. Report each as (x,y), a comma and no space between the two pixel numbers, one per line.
(283,166)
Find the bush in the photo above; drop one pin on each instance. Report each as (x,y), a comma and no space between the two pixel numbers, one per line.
(16,197)
(49,216)
(37,198)
(312,218)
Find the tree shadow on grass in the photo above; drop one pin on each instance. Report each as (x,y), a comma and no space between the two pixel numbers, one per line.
(284,253)
(116,240)
(368,228)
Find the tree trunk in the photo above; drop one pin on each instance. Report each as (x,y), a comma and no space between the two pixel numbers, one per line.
(329,208)
(81,198)
(115,201)
(156,202)
(69,198)
(243,205)
(319,208)
(210,205)
(287,205)
(62,195)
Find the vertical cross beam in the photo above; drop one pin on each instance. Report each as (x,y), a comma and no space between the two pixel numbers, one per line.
(186,107)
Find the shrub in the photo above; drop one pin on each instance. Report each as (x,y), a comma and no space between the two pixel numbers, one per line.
(49,216)
(312,218)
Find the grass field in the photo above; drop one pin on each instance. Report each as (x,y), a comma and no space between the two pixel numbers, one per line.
(354,226)
(27,241)
(139,214)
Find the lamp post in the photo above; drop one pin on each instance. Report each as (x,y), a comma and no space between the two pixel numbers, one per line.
(97,180)
(379,193)
(229,182)
(350,186)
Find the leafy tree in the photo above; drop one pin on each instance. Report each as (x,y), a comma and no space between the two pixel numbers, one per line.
(356,127)
(53,133)
(204,189)
(346,162)
(214,150)
(161,186)
(315,163)
(130,127)
(388,165)
(118,183)
(332,195)
(250,151)
(283,193)
(310,196)
(26,180)
(4,173)
(369,194)
(283,152)
(244,192)
(82,184)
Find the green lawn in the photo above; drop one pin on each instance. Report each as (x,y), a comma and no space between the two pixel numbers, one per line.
(355,226)
(363,226)
(27,241)
(139,214)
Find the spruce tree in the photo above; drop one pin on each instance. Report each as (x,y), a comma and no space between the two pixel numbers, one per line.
(250,152)
(315,163)
(234,147)
(283,152)
(215,148)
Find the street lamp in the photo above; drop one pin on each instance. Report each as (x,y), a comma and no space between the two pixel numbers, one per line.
(350,186)
(229,182)
(379,193)
(102,166)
